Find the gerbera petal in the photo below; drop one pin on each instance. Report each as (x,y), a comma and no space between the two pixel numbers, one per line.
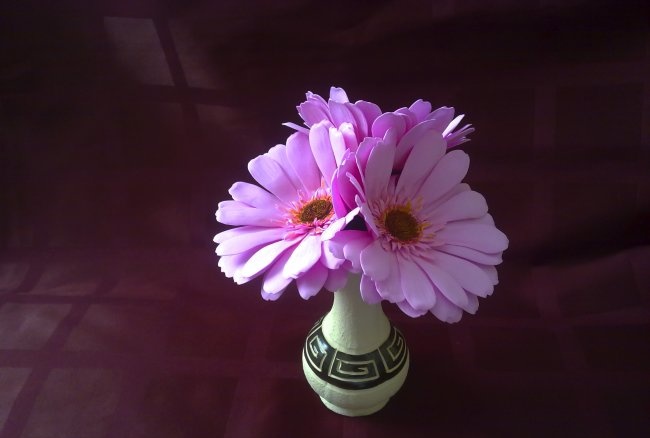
(249,240)
(405,307)
(469,275)
(272,177)
(338,145)
(327,257)
(265,256)
(375,261)
(471,254)
(420,162)
(415,134)
(421,109)
(416,286)
(232,264)
(338,94)
(452,125)
(370,112)
(312,281)
(304,256)
(236,213)
(296,127)
(387,121)
(355,242)
(465,205)
(321,147)
(378,170)
(446,311)
(390,289)
(445,283)
(312,112)
(369,292)
(336,279)
(340,113)
(232,232)
(442,116)
(302,161)
(485,238)
(279,154)
(274,282)
(253,195)
(449,172)
(472,305)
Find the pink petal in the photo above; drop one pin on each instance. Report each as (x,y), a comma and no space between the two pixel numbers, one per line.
(312,281)
(409,139)
(340,113)
(322,149)
(349,137)
(356,241)
(233,232)
(302,161)
(421,109)
(296,127)
(272,177)
(265,257)
(312,112)
(485,238)
(387,121)
(449,172)
(327,257)
(304,256)
(231,265)
(472,255)
(452,125)
(370,112)
(472,305)
(336,279)
(442,116)
(390,289)
(249,240)
(236,213)
(469,275)
(465,205)
(416,286)
(378,170)
(376,262)
(279,154)
(369,292)
(253,195)
(420,162)
(274,282)
(445,283)
(338,94)
(338,145)
(446,311)
(405,307)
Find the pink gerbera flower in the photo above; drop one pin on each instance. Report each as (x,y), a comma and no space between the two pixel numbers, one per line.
(431,245)
(280,224)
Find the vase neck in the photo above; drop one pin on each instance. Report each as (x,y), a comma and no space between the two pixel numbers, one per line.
(352,325)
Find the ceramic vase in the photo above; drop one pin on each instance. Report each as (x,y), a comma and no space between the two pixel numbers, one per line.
(353,358)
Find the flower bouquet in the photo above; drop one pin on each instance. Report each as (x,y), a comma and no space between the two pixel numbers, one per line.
(370,205)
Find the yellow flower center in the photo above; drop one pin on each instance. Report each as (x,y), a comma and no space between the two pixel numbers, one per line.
(401,224)
(316,209)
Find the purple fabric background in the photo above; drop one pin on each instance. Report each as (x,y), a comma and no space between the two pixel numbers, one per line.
(123,123)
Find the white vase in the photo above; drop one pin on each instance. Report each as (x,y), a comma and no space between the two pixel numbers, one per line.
(354,358)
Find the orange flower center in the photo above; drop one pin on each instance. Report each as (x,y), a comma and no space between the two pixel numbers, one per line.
(401,224)
(316,209)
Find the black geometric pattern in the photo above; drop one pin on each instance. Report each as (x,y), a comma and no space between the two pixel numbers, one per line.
(349,371)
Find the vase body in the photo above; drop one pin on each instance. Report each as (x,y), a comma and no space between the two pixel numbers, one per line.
(353,358)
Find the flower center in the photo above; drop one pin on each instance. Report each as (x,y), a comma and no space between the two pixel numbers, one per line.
(401,224)
(316,209)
